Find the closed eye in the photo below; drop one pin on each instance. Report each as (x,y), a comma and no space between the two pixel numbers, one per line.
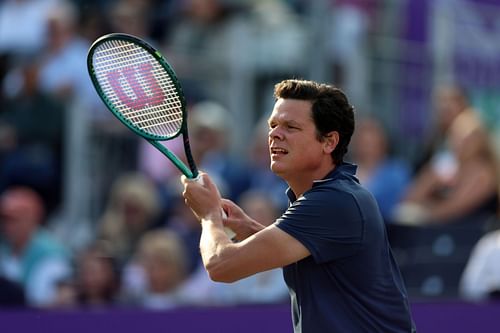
(287,125)
(292,126)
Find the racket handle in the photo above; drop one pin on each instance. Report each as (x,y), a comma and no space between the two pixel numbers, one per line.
(228,231)
(231,234)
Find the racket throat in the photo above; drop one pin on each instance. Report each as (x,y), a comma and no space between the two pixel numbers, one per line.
(181,166)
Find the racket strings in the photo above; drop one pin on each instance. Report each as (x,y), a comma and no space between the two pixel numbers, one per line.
(138,87)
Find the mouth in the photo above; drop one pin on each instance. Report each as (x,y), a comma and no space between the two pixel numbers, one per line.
(275,151)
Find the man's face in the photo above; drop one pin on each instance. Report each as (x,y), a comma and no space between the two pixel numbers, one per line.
(293,144)
(449,104)
(19,216)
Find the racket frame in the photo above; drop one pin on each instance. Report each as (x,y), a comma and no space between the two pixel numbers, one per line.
(191,171)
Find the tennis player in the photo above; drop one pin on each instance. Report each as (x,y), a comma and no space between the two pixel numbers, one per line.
(331,241)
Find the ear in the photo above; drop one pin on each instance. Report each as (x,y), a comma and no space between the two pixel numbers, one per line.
(330,142)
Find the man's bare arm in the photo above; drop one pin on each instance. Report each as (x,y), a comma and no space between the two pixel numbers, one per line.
(267,249)
(258,251)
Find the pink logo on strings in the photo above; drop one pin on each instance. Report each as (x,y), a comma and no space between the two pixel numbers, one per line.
(133,76)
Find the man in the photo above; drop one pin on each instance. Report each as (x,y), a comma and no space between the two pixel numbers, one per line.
(331,241)
(29,255)
(450,101)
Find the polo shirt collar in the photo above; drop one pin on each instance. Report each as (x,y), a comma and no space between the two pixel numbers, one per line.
(345,168)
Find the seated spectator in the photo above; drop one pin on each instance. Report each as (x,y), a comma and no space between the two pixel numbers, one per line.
(61,71)
(31,153)
(198,42)
(130,17)
(384,176)
(464,189)
(29,255)
(450,101)
(184,224)
(96,282)
(28,37)
(481,277)
(210,133)
(153,277)
(133,208)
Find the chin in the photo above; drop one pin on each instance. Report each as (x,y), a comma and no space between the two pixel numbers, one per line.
(276,169)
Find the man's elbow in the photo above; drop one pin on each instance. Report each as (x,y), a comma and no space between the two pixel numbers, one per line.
(219,272)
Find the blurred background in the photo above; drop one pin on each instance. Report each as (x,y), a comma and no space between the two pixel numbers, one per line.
(92,216)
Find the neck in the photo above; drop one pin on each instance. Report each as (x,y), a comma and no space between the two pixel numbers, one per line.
(300,185)
(19,245)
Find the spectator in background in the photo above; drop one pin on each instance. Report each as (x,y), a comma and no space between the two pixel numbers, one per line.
(133,208)
(200,40)
(96,282)
(157,270)
(63,71)
(29,255)
(481,277)
(131,17)
(466,190)
(210,135)
(449,101)
(97,276)
(181,221)
(31,134)
(347,44)
(23,25)
(263,287)
(94,21)
(384,176)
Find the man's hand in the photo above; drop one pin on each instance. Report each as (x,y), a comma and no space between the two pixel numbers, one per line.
(202,197)
(239,222)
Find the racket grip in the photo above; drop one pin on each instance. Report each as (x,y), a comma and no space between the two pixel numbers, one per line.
(228,231)
(231,234)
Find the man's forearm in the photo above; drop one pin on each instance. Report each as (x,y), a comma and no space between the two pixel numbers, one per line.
(220,254)
(214,247)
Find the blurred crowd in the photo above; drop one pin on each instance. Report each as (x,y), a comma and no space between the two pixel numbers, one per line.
(141,248)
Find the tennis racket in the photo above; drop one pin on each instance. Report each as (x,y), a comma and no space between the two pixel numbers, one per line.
(141,89)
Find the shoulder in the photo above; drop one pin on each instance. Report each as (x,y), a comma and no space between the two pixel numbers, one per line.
(330,204)
(44,244)
(395,166)
(336,193)
(489,242)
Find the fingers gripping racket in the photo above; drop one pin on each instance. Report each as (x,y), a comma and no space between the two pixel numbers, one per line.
(141,89)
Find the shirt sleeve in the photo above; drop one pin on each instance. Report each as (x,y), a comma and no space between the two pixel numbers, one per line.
(482,273)
(41,287)
(328,223)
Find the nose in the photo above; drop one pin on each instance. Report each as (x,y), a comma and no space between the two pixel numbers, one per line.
(275,133)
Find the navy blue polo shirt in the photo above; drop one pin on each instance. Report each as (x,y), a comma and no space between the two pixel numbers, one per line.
(350,282)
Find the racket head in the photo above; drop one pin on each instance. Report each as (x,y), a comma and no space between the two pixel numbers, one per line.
(138,86)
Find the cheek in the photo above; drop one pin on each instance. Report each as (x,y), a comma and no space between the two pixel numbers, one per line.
(311,146)
(309,153)
(13,229)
